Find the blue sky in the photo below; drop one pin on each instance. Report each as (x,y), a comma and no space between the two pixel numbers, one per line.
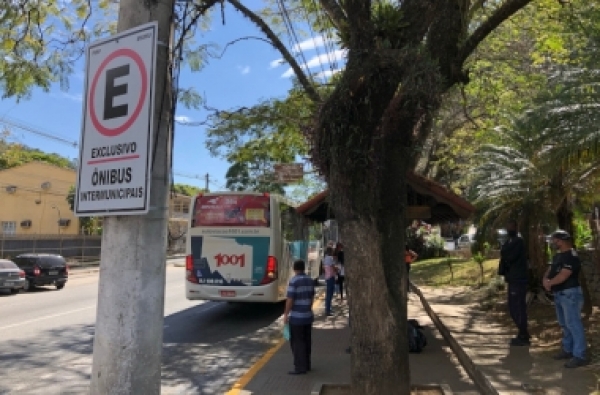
(248,71)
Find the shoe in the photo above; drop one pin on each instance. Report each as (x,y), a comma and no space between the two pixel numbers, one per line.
(294,372)
(349,350)
(575,363)
(520,341)
(562,355)
(329,314)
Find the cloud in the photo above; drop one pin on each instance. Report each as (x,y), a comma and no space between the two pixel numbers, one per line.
(327,73)
(323,59)
(276,63)
(183,119)
(310,44)
(244,69)
(74,97)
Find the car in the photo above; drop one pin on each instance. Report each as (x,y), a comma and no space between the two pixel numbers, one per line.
(12,278)
(43,269)
(465,241)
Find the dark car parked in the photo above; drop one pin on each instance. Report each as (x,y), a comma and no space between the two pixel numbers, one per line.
(43,269)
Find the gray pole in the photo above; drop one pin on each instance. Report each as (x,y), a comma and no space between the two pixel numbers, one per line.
(129,318)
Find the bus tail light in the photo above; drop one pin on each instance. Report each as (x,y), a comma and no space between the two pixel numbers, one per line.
(271,272)
(189,269)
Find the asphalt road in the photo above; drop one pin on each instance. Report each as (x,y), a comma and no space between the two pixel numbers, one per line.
(46,339)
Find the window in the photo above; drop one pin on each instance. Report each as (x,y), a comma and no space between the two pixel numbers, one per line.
(8,265)
(232,210)
(9,228)
(53,261)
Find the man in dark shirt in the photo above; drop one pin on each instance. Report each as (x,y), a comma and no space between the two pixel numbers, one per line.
(514,268)
(562,277)
(298,314)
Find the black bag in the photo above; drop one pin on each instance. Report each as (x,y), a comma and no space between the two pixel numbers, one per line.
(416,338)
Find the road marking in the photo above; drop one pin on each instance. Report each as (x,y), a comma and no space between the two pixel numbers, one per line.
(46,317)
(254,369)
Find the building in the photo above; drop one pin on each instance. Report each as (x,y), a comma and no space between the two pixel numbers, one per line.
(33,200)
(179,215)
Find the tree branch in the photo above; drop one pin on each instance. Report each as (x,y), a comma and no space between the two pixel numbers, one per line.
(504,12)
(334,12)
(277,44)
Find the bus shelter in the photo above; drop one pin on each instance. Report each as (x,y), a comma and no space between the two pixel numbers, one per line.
(427,200)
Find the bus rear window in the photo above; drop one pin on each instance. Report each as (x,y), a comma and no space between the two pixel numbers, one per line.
(232,210)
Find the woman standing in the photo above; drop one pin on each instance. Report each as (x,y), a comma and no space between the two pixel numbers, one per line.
(330,271)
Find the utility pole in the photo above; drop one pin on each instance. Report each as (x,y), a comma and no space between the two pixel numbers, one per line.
(129,318)
(206,179)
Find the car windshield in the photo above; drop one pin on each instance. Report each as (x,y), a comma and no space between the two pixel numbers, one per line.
(7,265)
(53,261)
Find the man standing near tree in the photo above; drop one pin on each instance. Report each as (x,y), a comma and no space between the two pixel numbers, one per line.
(514,268)
(298,314)
(562,278)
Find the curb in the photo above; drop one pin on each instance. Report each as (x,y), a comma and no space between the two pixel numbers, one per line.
(95,268)
(479,379)
(444,388)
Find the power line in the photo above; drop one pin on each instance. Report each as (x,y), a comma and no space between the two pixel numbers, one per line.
(20,125)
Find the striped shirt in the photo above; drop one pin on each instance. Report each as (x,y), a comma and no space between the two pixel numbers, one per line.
(302,291)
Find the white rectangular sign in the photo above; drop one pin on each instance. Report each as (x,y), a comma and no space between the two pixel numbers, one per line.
(116,139)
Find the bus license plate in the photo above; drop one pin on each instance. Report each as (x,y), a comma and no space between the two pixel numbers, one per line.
(228,294)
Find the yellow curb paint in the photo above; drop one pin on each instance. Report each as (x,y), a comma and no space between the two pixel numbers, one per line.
(249,375)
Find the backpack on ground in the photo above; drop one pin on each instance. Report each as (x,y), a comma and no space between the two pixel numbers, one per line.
(416,337)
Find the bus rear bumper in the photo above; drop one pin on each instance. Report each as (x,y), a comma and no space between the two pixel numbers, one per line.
(263,293)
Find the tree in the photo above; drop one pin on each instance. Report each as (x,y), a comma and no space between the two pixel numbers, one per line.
(13,155)
(401,59)
(187,190)
(40,41)
(254,139)
(87,223)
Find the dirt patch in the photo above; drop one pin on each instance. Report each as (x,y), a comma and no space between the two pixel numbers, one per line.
(333,389)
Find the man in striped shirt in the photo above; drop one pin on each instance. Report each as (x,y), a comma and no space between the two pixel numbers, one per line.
(298,314)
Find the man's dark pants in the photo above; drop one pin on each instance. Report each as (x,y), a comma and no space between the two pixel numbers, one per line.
(517,306)
(301,342)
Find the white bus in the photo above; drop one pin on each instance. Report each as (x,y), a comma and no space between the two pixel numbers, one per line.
(241,246)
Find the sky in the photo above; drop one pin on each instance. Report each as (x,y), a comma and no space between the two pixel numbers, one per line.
(248,71)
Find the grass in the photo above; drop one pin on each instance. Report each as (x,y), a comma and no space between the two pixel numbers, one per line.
(436,272)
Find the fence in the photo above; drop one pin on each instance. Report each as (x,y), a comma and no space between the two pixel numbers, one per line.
(78,248)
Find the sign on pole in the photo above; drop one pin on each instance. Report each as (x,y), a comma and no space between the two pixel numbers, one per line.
(289,172)
(116,147)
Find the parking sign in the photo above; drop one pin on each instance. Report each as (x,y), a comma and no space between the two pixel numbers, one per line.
(115,151)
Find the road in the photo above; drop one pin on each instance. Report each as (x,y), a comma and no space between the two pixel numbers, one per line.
(46,339)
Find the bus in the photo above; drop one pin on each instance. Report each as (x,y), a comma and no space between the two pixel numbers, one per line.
(240,246)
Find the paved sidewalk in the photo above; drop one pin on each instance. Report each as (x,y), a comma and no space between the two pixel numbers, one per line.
(511,370)
(507,368)
(331,364)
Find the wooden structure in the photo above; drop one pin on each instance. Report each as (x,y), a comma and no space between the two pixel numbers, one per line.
(427,201)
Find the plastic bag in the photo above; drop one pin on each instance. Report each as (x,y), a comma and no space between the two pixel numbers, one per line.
(286,332)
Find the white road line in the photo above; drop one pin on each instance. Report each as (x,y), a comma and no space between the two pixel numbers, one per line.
(46,317)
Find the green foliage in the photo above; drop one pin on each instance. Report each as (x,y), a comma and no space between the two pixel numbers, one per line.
(41,40)
(12,155)
(583,232)
(508,72)
(187,190)
(87,223)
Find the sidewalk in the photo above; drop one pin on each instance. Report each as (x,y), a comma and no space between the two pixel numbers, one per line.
(511,370)
(94,267)
(331,364)
(507,368)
